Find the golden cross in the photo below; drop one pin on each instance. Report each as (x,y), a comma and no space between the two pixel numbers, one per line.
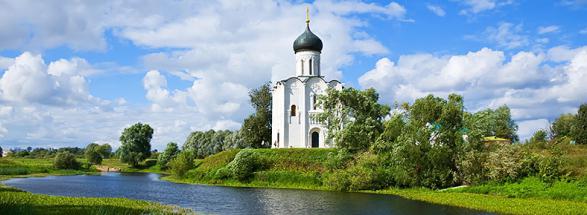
(308,15)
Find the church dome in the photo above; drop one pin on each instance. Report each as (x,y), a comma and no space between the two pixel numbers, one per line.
(307,41)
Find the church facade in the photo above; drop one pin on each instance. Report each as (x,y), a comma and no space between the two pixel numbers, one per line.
(295,98)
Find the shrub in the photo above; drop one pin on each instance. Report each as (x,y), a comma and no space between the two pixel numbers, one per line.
(338,180)
(182,163)
(65,160)
(244,164)
(338,159)
(150,162)
(505,163)
(550,168)
(222,173)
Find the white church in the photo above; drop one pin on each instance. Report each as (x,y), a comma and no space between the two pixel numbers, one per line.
(294,99)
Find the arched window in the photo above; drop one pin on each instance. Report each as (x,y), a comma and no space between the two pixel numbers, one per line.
(293,110)
(314,102)
(310,65)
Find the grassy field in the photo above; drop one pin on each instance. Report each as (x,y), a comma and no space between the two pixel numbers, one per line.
(14,201)
(491,203)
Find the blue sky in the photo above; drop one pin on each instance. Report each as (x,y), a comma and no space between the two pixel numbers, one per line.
(72,73)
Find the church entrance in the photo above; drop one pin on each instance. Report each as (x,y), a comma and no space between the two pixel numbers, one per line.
(315,139)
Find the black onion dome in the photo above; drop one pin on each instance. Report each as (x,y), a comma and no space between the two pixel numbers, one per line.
(307,41)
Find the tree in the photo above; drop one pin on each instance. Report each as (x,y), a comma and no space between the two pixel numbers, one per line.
(1,152)
(579,130)
(539,136)
(256,129)
(105,150)
(65,160)
(136,144)
(353,117)
(562,126)
(490,122)
(182,163)
(92,154)
(170,152)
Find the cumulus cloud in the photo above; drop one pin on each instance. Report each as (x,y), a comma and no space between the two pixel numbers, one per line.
(536,86)
(30,80)
(437,10)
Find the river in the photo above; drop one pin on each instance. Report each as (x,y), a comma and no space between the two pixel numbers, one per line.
(227,200)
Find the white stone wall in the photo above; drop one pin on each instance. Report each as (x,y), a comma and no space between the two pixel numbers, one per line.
(295,131)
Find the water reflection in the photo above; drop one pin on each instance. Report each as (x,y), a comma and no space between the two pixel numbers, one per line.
(227,200)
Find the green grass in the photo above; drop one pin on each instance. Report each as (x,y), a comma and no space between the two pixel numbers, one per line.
(491,203)
(116,163)
(14,201)
(25,167)
(533,188)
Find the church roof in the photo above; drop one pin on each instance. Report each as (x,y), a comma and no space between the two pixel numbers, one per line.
(307,41)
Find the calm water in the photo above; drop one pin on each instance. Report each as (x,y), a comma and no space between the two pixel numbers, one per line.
(227,200)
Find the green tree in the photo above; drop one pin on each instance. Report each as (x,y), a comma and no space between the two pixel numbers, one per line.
(1,152)
(491,122)
(92,154)
(256,129)
(353,117)
(579,130)
(539,136)
(181,164)
(170,152)
(136,144)
(562,126)
(105,150)
(65,160)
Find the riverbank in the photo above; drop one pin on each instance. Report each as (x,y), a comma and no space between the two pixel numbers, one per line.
(304,169)
(15,201)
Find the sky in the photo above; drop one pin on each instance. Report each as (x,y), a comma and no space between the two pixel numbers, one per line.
(77,72)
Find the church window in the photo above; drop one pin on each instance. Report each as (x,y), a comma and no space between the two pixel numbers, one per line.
(310,65)
(314,102)
(293,110)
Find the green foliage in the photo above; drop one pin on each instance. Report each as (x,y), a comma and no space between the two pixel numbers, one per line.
(170,152)
(65,160)
(1,152)
(182,163)
(353,117)
(490,122)
(338,159)
(92,154)
(256,129)
(534,187)
(562,126)
(210,142)
(539,139)
(505,164)
(105,150)
(579,130)
(244,165)
(136,144)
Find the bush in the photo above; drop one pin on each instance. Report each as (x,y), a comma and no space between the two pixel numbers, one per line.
(182,163)
(338,159)
(550,168)
(65,160)
(505,163)
(244,164)
(150,163)
(338,180)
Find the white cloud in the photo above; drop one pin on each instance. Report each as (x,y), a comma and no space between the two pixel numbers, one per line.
(437,10)
(548,29)
(534,85)
(30,80)
(478,6)
(224,48)
(527,128)
(505,35)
